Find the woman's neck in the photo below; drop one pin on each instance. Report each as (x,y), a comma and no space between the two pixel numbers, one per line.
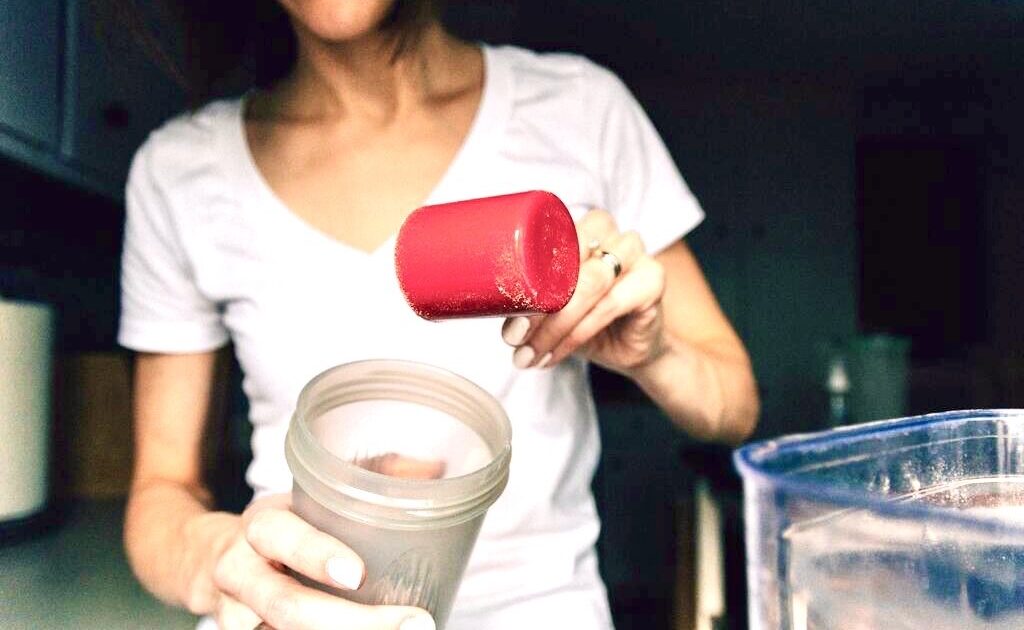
(363,77)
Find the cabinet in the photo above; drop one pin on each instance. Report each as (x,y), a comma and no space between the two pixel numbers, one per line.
(30,71)
(116,95)
(75,103)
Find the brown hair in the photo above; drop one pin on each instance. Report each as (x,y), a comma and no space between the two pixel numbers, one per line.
(229,45)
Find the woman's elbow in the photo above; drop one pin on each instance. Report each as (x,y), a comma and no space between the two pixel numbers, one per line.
(739,425)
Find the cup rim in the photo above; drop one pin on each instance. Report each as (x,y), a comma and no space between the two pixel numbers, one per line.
(750,461)
(340,483)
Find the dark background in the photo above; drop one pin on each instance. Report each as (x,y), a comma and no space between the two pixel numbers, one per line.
(861,165)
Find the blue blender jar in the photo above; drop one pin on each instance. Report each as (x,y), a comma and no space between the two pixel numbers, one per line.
(909,524)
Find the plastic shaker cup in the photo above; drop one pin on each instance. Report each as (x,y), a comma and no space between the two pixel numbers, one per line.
(414,534)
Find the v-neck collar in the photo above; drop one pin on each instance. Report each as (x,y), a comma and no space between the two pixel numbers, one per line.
(484,133)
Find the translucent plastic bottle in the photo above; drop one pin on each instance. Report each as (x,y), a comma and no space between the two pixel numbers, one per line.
(415,535)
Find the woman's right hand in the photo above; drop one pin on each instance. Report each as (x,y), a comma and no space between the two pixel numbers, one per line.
(254,589)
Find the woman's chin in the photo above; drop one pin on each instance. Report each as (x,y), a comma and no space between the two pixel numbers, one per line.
(338,20)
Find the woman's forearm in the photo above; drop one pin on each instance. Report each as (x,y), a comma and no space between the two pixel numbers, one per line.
(173,540)
(707,390)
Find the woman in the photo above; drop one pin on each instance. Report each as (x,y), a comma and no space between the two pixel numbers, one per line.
(269,221)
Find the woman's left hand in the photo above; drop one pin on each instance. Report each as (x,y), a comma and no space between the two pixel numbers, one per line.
(614,318)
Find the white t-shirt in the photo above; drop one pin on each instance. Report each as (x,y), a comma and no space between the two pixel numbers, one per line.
(211,254)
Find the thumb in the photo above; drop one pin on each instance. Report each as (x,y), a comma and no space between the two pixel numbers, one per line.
(404,618)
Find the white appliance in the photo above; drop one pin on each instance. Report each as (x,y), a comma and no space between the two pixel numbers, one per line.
(26,368)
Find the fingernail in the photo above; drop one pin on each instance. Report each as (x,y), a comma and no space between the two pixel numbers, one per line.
(419,622)
(523,357)
(515,332)
(544,360)
(345,573)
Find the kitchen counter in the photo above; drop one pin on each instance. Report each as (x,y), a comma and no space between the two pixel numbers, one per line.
(76,576)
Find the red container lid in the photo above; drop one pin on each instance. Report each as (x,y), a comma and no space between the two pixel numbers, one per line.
(497,256)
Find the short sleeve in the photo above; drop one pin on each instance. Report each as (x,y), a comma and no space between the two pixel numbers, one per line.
(162,308)
(643,186)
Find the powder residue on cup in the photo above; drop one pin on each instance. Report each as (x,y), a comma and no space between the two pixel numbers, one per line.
(565,262)
(508,279)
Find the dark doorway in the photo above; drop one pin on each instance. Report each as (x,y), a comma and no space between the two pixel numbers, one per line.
(920,217)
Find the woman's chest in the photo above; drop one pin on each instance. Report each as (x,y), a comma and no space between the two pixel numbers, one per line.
(316,310)
(355,182)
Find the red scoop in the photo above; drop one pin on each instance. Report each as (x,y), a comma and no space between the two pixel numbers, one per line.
(507,255)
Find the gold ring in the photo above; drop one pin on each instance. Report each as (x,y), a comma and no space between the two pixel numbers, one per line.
(611,260)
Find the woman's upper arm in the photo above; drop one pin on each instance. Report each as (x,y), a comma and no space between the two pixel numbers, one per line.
(692,312)
(170,408)
(692,315)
